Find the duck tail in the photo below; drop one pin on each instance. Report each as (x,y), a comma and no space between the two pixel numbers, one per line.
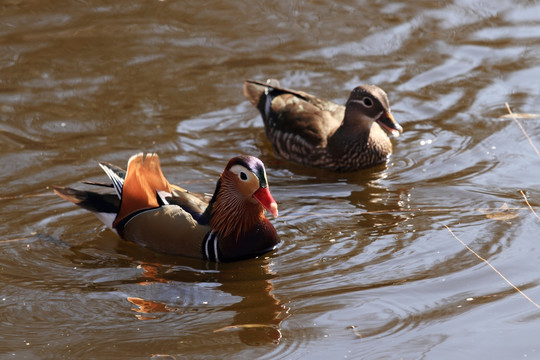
(89,200)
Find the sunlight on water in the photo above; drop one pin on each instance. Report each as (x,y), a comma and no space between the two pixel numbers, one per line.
(367,267)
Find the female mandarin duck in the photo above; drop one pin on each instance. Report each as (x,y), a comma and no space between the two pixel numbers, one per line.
(149,211)
(316,132)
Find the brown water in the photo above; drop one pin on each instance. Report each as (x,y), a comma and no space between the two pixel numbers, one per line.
(366,269)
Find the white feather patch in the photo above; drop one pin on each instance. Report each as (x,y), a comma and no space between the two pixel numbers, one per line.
(117,181)
(107,219)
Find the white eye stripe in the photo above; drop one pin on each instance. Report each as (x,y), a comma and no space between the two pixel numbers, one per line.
(366,101)
(238,168)
(243,173)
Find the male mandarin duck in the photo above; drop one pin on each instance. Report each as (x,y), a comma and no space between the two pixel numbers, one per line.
(149,211)
(320,133)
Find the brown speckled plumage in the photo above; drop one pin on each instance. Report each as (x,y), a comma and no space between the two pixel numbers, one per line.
(316,132)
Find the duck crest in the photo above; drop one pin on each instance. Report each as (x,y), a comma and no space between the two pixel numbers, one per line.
(231,214)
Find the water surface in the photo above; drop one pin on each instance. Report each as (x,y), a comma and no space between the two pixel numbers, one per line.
(367,268)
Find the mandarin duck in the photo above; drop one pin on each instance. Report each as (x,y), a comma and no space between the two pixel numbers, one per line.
(149,211)
(320,133)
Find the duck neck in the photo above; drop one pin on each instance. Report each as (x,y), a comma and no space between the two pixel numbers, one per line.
(352,131)
(230,214)
(355,125)
(361,142)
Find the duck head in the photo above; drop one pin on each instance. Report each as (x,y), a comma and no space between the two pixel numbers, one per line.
(241,197)
(247,176)
(370,103)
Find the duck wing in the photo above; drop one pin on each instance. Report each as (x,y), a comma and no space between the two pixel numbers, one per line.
(290,113)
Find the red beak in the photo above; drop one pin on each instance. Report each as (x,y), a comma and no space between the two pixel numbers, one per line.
(264,197)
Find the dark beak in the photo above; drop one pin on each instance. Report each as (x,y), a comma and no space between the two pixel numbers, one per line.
(386,120)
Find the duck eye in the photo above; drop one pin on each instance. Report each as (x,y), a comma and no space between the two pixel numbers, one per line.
(243,176)
(367,102)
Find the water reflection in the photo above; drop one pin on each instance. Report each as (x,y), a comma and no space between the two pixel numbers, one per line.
(257,316)
(87,82)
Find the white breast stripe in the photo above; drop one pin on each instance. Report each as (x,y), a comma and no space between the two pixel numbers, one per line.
(211,247)
(206,241)
(216,249)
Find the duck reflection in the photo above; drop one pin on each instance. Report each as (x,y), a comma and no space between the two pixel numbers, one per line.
(257,316)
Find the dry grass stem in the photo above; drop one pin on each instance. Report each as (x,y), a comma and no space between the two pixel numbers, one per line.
(13,240)
(529,205)
(522,129)
(520,116)
(494,269)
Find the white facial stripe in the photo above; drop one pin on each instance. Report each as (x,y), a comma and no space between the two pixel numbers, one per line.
(361,102)
(239,168)
(357,101)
